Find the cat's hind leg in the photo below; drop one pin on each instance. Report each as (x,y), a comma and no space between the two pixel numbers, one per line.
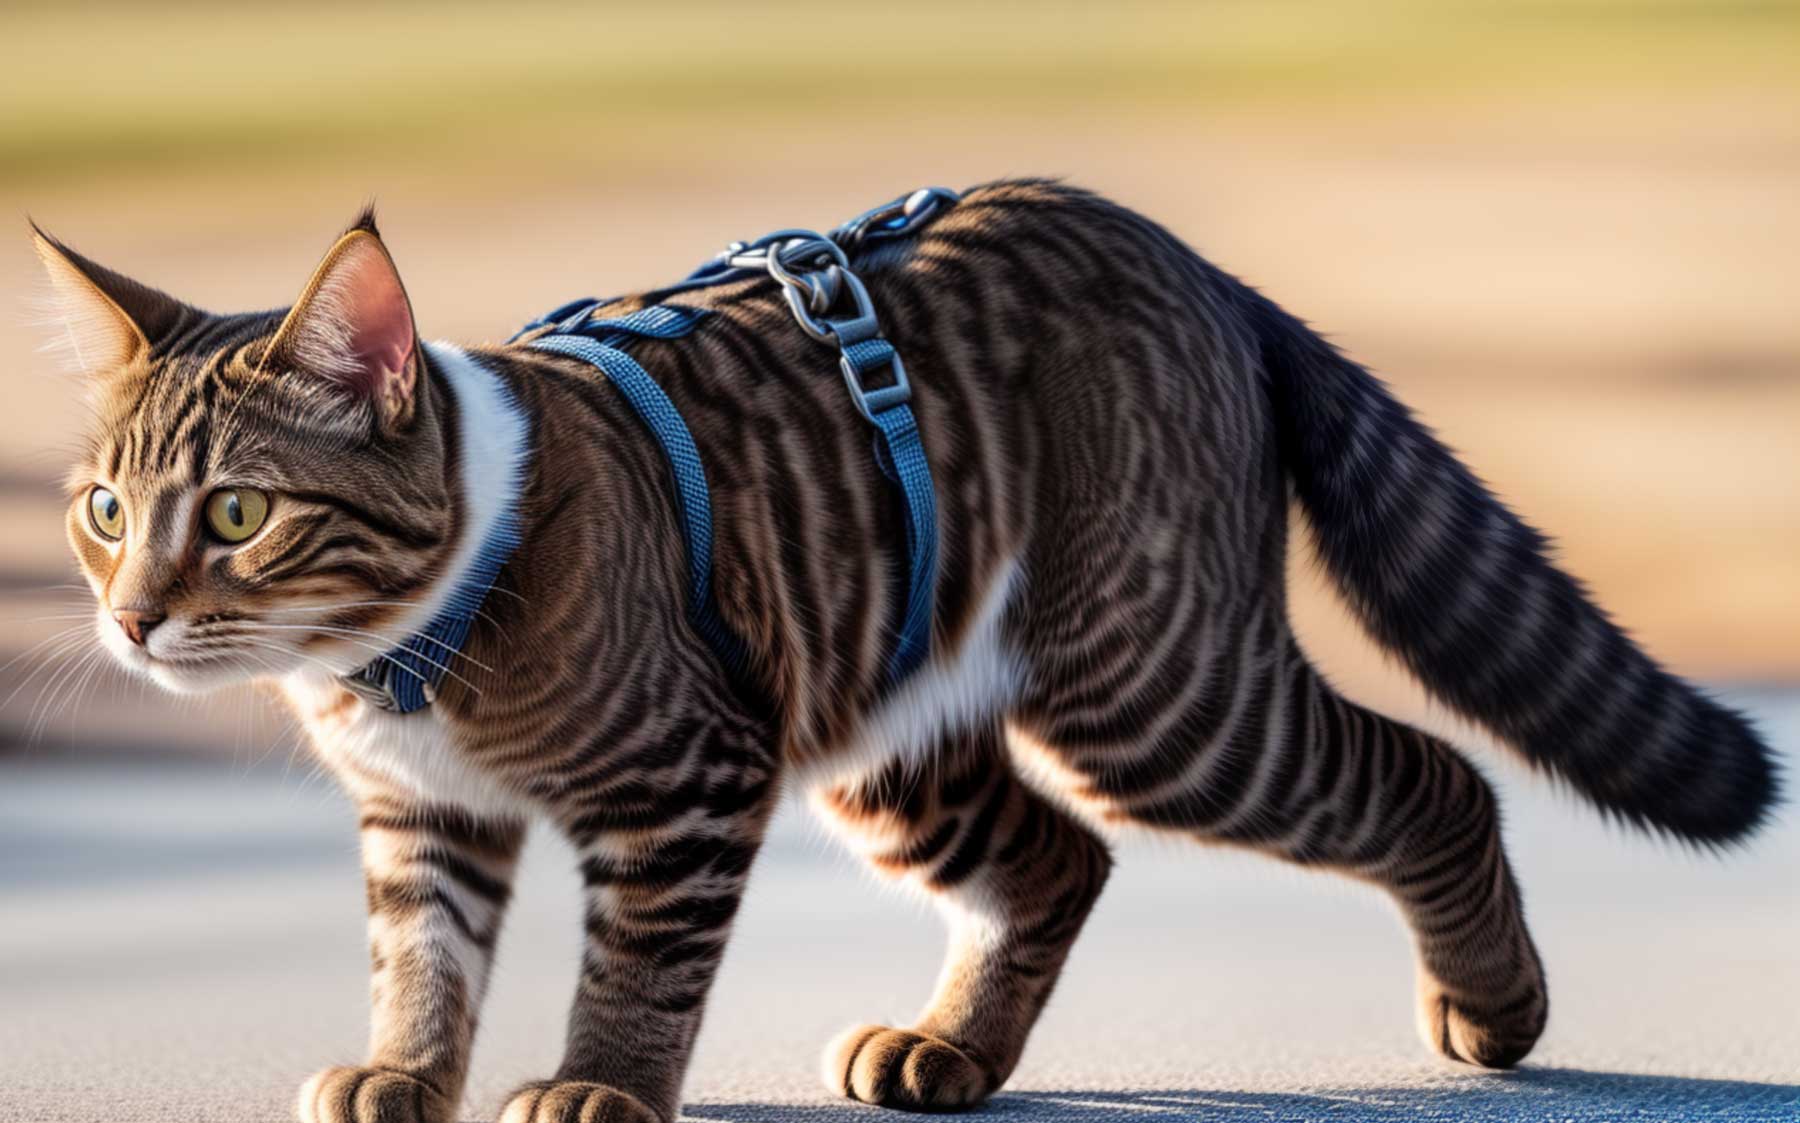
(1255,749)
(1014,876)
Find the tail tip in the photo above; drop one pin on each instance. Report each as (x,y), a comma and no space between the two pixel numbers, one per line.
(1728,785)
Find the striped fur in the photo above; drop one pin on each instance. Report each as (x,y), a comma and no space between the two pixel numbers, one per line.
(1113,426)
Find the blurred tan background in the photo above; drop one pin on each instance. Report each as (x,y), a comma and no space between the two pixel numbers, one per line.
(1567,232)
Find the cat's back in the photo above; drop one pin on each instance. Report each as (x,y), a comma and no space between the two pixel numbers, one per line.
(1073,307)
(1087,346)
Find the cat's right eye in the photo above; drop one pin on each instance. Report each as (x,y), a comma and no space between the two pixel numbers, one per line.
(107,514)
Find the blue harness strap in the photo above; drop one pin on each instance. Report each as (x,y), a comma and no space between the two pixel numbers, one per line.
(901,454)
(831,305)
(406,678)
(601,343)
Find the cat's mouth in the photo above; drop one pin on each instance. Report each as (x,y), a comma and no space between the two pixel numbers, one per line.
(174,670)
(183,661)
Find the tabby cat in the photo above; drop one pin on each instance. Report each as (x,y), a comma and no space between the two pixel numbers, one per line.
(1115,428)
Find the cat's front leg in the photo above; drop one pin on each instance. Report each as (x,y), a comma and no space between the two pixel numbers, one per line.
(664,858)
(438,879)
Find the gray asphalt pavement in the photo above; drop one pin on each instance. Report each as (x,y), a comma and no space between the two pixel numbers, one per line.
(182,939)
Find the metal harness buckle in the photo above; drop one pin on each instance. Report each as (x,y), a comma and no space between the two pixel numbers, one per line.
(815,277)
(859,359)
(814,273)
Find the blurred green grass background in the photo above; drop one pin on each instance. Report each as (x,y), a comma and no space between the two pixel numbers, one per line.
(93,89)
(1563,230)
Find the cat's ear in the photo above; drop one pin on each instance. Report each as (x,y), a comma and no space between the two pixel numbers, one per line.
(353,327)
(105,320)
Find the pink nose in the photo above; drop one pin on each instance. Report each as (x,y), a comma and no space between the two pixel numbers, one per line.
(137,625)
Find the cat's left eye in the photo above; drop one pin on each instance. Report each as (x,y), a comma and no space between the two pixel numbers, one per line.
(235,513)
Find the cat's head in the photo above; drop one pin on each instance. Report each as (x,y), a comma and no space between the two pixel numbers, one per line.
(263,492)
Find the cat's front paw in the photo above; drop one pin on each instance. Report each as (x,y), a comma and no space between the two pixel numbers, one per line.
(370,1095)
(905,1069)
(574,1101)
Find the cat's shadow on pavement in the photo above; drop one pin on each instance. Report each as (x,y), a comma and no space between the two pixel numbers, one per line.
(1537,1095)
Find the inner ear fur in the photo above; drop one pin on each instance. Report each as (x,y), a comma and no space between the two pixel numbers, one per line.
(352,325)
(108,320)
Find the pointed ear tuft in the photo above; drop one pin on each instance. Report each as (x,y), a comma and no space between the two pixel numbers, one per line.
(353,327)
(105,318)
(365,220)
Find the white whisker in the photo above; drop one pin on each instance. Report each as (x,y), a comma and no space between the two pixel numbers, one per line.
(381,652)
(479,614)
(69,641)
(354,632)
(60,634)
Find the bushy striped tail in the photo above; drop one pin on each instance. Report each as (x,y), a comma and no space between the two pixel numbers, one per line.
(1462,591)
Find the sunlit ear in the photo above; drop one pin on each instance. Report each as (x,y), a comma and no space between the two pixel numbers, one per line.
(353,326)
(102,319)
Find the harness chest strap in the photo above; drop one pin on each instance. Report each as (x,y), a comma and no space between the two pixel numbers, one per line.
(406,678)
(604,350)
(830,304)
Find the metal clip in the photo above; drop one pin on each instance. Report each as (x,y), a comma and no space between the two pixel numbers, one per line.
(881,399)
(815,276)
(891,220)
(377,692)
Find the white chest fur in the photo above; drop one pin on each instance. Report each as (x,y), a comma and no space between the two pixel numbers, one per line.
(372,750)
(954,690)
(416,753)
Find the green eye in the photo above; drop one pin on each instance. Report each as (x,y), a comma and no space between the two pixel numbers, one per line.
(107,513)
(235,513)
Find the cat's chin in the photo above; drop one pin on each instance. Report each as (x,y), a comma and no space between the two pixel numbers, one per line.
(182,676)
(192,677)
(198,678)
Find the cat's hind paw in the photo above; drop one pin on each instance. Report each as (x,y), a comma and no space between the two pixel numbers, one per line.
(349,1094)
(905,1069)
(1493,1035)
(575,1101)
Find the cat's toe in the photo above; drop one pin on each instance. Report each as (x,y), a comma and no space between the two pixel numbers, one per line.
(904,1069)
(575,1101)
(348,1094)
(1491,1033)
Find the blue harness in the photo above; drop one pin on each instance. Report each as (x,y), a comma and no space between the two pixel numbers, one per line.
(830,304)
